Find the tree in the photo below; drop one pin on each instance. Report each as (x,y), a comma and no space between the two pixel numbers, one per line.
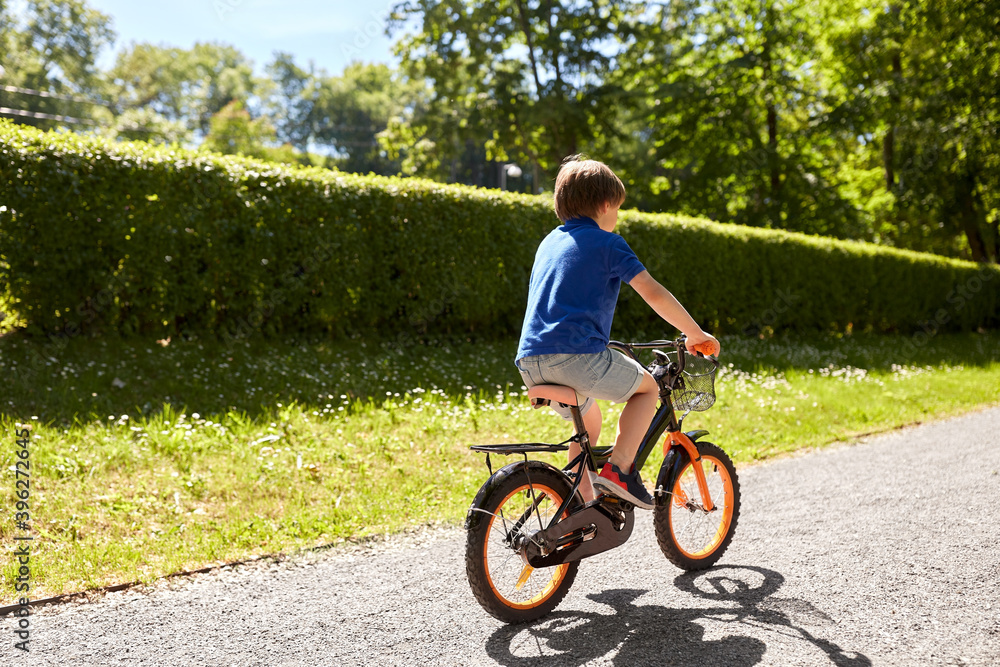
(233,131)
(451,147)
(927,97)
(952,135)
(353,108)
(51,47)
(189,85)
(146,124)
(291,100)
(736,108)
(343,114)
(524,80)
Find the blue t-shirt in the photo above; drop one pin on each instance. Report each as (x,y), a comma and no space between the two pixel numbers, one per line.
(573,290)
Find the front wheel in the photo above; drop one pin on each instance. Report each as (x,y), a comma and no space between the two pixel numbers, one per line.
(690,537)
(501,579)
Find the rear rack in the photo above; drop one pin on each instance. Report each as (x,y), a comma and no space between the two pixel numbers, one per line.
(520,448)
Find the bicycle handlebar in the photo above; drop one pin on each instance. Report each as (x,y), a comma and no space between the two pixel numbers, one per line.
(678,344)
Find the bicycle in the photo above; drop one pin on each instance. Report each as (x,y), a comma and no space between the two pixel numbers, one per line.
(528,527)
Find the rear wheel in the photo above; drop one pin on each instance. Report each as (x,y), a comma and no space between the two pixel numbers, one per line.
(502,581)
(690,537)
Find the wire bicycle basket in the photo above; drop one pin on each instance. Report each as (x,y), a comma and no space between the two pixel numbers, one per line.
(695,388)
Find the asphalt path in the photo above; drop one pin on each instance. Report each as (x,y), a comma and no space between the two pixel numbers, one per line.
(881,552)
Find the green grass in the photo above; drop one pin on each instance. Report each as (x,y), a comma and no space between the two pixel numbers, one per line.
(150,459)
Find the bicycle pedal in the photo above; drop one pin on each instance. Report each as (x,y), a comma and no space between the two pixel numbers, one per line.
(623,505)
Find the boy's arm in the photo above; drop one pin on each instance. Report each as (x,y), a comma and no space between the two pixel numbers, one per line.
(670,309)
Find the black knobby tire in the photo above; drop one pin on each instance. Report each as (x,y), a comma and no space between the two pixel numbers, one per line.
(689,537)
(494,568)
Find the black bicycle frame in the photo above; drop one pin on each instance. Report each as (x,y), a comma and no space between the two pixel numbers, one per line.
(665,419)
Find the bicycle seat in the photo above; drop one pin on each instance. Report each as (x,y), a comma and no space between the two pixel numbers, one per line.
(542,394)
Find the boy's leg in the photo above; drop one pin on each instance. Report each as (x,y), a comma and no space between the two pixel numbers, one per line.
(622,379)
(634,422)
(611,376)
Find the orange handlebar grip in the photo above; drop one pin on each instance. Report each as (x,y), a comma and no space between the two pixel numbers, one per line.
(708,348)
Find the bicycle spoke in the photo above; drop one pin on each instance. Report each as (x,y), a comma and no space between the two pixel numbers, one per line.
(503,564)
(507,567)
(690,536)
(694,528)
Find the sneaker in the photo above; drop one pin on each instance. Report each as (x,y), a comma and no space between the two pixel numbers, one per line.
(627,487)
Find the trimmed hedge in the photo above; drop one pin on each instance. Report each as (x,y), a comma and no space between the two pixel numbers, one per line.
(96,235)
(749,279)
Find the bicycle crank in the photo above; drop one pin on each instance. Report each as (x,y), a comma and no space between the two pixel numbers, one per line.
(594,528)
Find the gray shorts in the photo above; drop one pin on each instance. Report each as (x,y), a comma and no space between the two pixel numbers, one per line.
(606,375)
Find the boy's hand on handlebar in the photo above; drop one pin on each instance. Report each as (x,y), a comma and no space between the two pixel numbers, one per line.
(703,343)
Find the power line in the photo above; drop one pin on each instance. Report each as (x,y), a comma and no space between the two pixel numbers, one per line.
(46,116)
(66,119)
(57,96)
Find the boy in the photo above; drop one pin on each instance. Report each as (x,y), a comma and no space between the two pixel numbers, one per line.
(572,293)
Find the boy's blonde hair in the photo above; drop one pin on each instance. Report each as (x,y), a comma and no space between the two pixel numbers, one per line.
(583,186)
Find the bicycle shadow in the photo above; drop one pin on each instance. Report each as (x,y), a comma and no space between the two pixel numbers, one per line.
(654,634)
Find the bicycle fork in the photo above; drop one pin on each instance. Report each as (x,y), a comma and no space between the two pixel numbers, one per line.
(680,439)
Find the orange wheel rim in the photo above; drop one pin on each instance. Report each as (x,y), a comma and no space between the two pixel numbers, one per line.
(725,505)
(560,570)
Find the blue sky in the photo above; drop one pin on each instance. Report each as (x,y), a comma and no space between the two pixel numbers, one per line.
(330,33)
